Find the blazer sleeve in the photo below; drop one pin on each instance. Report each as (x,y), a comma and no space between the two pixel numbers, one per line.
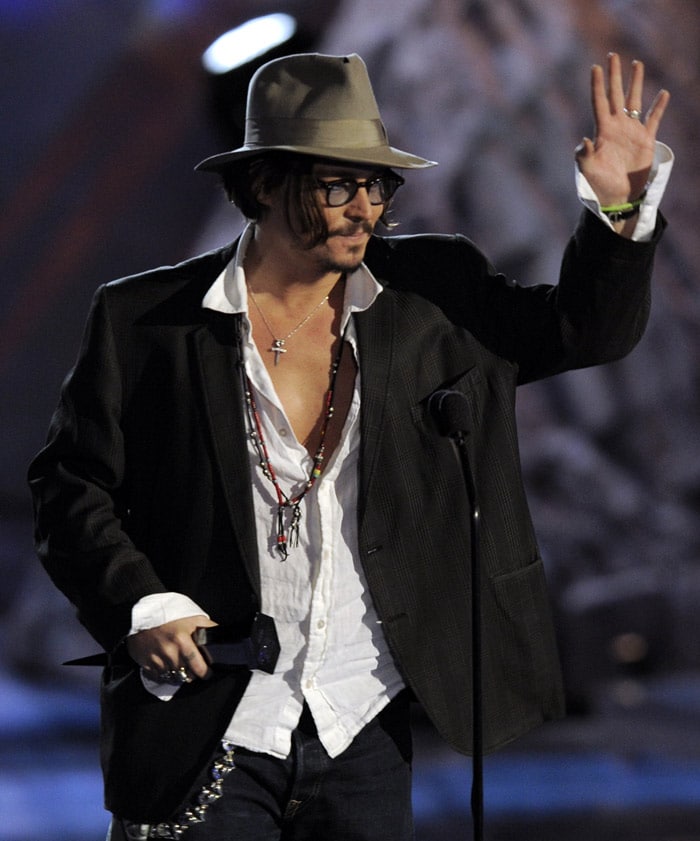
(596,313)
(77,487)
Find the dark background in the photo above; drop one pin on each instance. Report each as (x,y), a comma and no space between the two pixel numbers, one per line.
(105,110)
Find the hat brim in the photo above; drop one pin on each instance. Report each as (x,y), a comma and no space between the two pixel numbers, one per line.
(382,156)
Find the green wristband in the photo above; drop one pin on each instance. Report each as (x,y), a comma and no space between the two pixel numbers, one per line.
(624,208)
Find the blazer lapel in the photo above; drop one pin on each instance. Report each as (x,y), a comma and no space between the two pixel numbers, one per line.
(375,334)
(216,354)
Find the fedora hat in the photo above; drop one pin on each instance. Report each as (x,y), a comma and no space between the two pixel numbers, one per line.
(319,105)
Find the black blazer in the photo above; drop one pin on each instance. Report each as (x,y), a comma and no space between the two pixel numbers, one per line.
(144,483)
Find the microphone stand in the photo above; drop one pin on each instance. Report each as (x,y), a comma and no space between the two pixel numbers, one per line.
(451,411)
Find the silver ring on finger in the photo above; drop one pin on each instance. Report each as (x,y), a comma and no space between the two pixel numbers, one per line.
(175,676)
(633,113)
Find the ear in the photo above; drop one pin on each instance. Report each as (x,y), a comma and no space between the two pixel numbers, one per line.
(260,190)
(264,195)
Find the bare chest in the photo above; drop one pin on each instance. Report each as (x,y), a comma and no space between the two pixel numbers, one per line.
(303,380)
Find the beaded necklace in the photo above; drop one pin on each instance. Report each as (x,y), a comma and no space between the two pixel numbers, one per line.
(287,538)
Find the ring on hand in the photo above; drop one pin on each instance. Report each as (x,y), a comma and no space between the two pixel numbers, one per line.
(175,676)
(633,113)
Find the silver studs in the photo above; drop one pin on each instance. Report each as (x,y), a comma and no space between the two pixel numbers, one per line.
(195,814)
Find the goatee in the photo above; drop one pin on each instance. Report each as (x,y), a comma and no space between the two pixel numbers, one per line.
(352,262)
(341,267)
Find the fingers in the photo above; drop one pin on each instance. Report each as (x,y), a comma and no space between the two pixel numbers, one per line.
(616,93)
(177,664)
(633,100)
(611,99)
(585,148)
(656,112)
(195,664)
(599,95)
(168,652)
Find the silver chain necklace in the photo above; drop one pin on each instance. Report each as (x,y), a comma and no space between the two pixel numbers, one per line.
(278,345)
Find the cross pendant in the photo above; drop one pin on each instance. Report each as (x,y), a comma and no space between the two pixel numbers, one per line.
(277,348)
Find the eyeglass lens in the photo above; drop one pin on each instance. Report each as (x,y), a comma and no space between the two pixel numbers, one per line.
(379,190)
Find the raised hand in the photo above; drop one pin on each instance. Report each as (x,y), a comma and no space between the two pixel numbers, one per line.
(616,163)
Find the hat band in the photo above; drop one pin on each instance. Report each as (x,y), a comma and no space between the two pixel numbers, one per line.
(332,135)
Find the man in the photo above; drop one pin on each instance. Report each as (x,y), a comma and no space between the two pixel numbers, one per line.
(250,434)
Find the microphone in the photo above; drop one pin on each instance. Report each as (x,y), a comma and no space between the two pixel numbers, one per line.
(450,409)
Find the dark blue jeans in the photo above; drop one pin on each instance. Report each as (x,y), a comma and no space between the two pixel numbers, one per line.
(362,795)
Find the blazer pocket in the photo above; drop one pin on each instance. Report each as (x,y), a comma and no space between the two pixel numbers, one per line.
(525,642)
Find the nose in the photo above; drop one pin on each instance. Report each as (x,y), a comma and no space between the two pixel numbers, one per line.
(359,206)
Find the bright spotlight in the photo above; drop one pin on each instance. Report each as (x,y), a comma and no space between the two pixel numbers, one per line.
(248,41)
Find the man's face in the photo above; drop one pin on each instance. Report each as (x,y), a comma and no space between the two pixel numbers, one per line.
(350,225)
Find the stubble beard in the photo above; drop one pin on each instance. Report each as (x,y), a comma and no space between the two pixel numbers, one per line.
(341,266)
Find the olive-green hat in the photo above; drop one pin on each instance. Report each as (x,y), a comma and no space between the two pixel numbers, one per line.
(319,105)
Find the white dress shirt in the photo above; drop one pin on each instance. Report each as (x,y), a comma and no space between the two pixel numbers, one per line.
(333,651)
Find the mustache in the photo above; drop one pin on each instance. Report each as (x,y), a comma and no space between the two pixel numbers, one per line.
(350,230)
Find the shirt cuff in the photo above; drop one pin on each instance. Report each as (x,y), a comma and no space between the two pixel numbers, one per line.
(159,608)
(162,691)
(658,179)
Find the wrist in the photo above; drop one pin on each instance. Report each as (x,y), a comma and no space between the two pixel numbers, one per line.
(624,210)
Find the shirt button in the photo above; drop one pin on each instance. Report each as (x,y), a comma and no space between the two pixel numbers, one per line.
(283,432)
(321,624)
(309,684)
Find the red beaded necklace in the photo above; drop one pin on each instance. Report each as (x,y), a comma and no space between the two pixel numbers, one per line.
(288,537)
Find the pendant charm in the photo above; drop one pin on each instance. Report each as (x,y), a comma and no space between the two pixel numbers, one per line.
(281,536)
(277,348)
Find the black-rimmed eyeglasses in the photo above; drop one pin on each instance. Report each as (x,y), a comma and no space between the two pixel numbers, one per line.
(343,190)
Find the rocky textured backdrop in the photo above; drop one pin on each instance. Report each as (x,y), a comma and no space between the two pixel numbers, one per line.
(498,93)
